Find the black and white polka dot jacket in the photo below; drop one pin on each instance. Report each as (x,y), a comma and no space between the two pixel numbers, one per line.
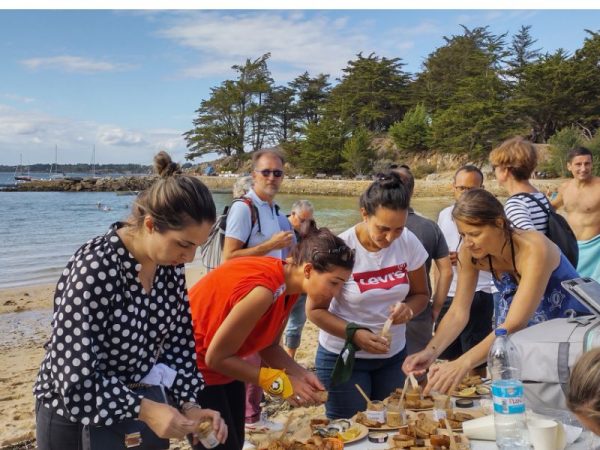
(107,333)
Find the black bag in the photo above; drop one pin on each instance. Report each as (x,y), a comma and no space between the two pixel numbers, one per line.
(130,433)
(559,231)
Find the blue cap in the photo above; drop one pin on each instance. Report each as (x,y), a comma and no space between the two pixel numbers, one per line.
(501,332)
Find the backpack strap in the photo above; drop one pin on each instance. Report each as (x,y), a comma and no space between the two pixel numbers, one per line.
(254,216)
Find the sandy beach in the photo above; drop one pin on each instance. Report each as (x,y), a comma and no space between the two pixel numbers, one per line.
(25,315)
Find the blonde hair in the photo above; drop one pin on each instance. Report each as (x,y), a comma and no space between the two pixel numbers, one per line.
(583,396)
(518,155)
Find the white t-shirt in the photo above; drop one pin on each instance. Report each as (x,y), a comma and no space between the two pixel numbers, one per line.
(448,227)
(379,280)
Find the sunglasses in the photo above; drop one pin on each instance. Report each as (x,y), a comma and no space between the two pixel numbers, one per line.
(344,253)
(267,173)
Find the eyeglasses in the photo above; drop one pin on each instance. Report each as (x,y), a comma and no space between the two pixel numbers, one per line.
(344,253)
(464,188)
(267,173)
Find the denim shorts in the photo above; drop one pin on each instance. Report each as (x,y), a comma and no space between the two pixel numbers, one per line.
(377,377)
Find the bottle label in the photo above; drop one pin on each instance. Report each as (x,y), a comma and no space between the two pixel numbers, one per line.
(508,397)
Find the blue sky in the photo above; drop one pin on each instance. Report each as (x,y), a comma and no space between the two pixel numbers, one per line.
(129,82)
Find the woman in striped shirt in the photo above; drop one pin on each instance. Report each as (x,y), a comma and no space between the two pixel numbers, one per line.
(513,162)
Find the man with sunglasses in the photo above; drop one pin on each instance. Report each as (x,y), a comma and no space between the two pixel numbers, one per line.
(266,236)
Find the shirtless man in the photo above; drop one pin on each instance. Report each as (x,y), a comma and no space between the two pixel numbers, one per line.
(580,198)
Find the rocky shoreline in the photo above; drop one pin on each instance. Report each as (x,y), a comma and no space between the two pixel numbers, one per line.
(432,186)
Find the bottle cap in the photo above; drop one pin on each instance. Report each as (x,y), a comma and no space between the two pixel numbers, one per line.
(501,332)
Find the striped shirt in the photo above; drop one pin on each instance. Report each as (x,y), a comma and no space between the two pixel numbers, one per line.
(526,214)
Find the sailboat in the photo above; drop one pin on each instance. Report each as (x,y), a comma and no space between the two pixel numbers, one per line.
(20,175)
(93,166)
(53,174)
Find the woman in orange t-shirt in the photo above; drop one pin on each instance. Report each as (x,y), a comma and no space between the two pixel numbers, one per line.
(241,308)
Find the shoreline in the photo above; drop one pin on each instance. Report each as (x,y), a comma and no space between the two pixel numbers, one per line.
(435,185)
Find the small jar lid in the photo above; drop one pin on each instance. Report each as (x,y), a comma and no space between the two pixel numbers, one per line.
(464,403)
(378,437)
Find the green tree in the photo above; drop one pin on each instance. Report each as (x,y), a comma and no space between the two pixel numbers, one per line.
(463,88)
(254,84)
(311,96)
(560,145)
(321,148)
(281,109)
(217,125)
(522,53)
(413,133)
(545,96)
(358,153)
(372,93)
(586,68)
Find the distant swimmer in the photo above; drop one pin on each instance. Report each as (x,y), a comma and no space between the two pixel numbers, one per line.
(106,208)
(580,198)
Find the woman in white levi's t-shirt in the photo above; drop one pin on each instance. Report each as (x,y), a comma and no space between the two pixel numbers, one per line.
(388,282)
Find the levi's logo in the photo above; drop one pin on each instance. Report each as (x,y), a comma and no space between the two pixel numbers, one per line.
(385,278)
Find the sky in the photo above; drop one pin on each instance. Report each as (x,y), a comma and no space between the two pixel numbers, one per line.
(129,81)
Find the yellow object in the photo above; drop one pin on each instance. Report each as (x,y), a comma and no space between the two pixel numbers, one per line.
(468,391)
(349,434)
(275,382)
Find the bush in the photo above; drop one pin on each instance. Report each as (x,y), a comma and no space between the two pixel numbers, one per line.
(421,170)
(413,132)
(560,144)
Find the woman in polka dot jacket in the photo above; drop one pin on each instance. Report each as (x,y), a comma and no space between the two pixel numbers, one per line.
(120,311)
(241,308)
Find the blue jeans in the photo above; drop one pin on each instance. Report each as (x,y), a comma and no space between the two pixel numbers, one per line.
(295,323)
(377,377)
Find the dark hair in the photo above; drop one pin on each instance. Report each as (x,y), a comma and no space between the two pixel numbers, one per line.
(324,250)
(407,177)
(578,151)
(387,191)
(583,396)
(266,151)
(469,168)
(479,207)
(174,200)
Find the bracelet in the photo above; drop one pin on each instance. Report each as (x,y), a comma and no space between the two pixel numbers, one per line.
(190,405)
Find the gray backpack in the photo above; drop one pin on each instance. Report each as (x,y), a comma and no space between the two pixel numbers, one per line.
(548,352)
(211,251)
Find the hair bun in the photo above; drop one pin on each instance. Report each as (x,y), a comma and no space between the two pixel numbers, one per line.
(164,165)
(388,179)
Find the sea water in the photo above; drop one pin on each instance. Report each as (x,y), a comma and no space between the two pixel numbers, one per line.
(39,231)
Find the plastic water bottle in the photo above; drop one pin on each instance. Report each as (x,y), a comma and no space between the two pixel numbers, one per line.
(507,391)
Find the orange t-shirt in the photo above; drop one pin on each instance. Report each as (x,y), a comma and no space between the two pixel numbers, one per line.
(215,295)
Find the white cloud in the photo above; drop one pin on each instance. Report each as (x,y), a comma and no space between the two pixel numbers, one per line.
(76,64)
(18,98)
(35,133)
(317,43)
